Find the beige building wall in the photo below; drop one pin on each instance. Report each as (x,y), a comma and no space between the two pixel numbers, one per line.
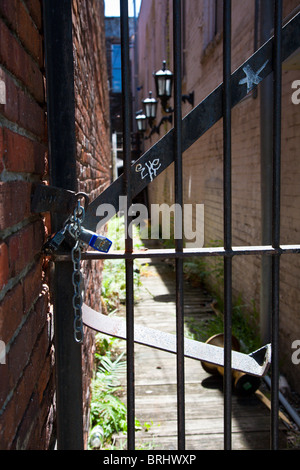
(203,162)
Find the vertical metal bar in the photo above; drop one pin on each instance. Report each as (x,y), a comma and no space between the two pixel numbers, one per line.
(62,150)
(136,57)
(255,39)
(276,220)
(178,220)
(126,114)
(266,20)
(227,219)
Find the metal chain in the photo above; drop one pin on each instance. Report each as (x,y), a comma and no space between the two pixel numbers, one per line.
(74,228)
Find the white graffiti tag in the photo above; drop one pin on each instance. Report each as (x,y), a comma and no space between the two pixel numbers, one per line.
(252,78)
(150,169)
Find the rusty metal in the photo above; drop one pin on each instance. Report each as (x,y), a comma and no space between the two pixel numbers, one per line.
(46,198)
(49,198)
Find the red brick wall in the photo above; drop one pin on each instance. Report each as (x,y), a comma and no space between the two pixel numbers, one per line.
(27,381)
(27,391)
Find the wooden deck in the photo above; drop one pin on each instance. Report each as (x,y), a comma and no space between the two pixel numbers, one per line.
(155,381)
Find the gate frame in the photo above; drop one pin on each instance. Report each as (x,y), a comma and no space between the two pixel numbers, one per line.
(57,16)
(59,59)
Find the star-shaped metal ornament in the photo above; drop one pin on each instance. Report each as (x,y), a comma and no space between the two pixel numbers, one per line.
(252,78)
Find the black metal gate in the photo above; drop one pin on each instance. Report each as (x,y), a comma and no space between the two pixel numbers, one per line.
(170,148)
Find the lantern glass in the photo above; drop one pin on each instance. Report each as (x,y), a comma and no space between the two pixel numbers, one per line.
(163,81)
(150,106)
(141,121)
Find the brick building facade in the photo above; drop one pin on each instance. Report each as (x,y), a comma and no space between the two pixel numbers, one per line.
(27,370)
(203,161)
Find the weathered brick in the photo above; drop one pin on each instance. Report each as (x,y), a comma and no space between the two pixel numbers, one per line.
(44,378)
(18,403)
(35,9)
(20,250)
(27,350)
(29,425)
(24,245)
(20,64)
(4,265)
(32,286)
(7,433)
(1,147)
(10,109)
(21,109)
(11,312)
(21,154)
(4,389)
(31,115)
(20,21)
(14,202)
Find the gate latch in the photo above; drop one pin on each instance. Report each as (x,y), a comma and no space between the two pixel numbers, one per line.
(74,232)
(50,198)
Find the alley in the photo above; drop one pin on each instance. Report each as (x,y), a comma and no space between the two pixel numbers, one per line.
(155,379)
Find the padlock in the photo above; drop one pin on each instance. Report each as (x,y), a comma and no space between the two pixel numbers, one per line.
(54,242)
(98,242)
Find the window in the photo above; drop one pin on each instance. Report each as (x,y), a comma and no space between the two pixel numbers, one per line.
(116,75)
(212,20)
(218,16)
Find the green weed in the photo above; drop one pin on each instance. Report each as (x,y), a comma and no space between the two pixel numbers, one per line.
(210,273)
(108,413)
(114,281)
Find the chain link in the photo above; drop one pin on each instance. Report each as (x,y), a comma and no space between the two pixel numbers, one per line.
(74,228)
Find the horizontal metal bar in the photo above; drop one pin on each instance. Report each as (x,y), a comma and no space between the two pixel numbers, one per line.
(256,363)
(186,253)
(196,123)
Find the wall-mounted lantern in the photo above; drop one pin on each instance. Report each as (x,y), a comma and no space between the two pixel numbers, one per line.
(141,121)
(150,108)
(163,83)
